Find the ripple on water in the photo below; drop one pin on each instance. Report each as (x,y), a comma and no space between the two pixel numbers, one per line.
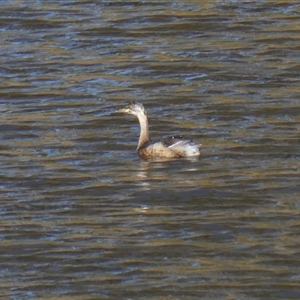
(78,205)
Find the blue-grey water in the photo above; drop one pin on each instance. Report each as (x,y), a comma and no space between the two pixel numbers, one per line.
(83,217)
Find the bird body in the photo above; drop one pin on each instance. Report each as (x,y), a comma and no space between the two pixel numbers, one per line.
(172,148)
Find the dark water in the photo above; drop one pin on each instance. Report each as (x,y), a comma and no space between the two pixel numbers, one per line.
(82,217)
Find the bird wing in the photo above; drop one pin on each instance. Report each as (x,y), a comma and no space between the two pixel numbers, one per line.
(184,147)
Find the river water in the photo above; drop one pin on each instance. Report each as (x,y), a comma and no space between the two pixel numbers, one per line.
(83,217)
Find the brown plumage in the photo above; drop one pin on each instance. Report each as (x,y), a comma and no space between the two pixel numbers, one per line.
(172,148)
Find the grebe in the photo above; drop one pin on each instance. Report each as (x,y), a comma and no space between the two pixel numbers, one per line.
(172,148)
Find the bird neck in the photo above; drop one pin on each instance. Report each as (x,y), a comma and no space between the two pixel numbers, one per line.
(144,134)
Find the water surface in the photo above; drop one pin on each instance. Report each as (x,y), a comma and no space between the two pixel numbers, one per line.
(83,217)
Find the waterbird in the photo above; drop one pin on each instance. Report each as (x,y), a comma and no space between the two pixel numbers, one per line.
(174,147)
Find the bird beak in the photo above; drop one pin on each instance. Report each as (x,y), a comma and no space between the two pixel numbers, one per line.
(123,110)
